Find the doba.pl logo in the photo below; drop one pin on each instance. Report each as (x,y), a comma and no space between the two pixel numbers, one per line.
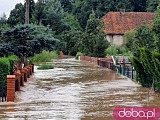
(136,113)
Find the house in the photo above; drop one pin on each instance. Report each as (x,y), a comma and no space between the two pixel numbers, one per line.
(117,23)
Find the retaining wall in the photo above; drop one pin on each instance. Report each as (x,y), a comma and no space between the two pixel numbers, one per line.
(15,81)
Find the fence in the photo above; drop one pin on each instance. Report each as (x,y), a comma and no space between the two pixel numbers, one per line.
(123,68)
(14,81)
(3,91)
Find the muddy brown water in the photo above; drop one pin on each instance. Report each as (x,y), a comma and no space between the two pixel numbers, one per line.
(75,90)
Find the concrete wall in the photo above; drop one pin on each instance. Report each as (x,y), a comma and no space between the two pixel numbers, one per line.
(115,39)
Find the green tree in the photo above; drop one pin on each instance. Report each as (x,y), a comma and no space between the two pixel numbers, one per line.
(25,40)
(54,16)
(39,13)
(95,43)
(17,15)
(139,5)
(3,21)
(156,29)
(152,5)
(31,10)
(71,22)
(67,5)
(129,38)
(144,37)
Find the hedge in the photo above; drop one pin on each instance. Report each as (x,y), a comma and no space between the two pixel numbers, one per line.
(148,68)
(4,69)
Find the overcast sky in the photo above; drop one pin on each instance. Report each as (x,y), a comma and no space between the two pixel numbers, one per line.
(7,5)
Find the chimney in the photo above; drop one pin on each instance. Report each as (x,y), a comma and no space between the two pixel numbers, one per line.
(122,11)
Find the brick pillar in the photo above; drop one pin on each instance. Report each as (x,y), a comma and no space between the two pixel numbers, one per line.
(18,76)
(25,70)
(32,68)
(22,77)
(29,71)
(10,88)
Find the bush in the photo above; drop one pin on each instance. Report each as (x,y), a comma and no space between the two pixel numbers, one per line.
(78,54)
(45,67)
(44,56)
(117,50)
(12,59)
(4,69)
(111,50)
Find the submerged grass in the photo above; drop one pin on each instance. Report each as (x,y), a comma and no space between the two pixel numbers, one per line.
(44,56)
(45,67)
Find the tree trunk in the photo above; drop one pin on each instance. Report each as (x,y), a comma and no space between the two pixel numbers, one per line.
(27,12)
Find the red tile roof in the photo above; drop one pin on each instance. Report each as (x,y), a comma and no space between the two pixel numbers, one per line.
(116,23)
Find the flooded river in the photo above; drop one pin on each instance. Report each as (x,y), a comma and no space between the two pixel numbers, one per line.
(75,90)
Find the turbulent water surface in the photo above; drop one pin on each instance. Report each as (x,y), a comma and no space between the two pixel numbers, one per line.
(75,90)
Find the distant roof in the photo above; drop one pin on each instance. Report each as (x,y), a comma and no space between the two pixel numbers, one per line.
(119,23)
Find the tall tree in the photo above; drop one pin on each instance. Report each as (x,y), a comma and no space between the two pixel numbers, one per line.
(139,5)
(152,5)
(30,7)
(17,15)
(82,9)
(54,15)
(3,20)
(27,12)
(39,13)
(67,5)
(95,43)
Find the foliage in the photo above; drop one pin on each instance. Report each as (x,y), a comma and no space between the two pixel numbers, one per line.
(54,15)
(71,22)
(139,5)
(117,50)
(147,63)
(82,9)
(95,43)
(28,39)
(142,37)
(12,59)
(67,5)
(129,38)
(156,63)
(139,70)
(44,56)
(111,50)
(17,15)
(45,67)
(156,29)
(147,68)
(3,21)
(4,69)
(78,54)
(39,12)
(152,5)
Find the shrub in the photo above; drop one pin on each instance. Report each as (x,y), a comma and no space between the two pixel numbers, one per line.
(111,50)
(78,54)
(44,56)
(12,59)
(4,68)
(117,50)
(45,67)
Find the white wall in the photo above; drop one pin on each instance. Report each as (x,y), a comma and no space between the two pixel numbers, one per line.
(115,39)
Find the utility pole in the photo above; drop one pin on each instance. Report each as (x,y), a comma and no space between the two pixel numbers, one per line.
(27,12)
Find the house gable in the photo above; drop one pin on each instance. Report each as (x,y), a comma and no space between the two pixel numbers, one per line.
(116,24)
